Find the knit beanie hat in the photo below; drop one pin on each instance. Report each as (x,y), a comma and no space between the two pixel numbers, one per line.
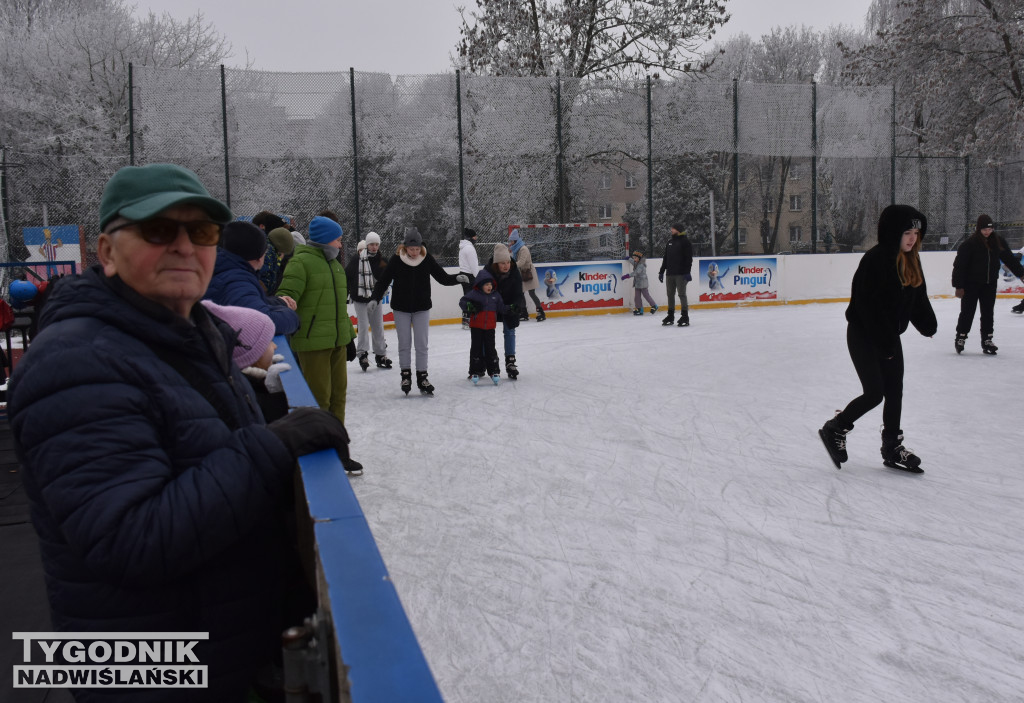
(412,237)
(299,239)
(501,254)
(361,245)
(679,228)
(983,222)
(244,239)
(282,240)
(323,230)
(468,233)
(897,219)
(255,331)
(373,238)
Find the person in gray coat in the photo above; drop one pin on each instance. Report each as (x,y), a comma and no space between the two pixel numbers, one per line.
(639,277)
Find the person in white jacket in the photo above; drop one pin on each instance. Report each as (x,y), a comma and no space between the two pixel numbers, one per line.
(469,263)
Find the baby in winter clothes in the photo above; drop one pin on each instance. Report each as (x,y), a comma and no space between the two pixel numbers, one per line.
(485,307)
(254,354)
(640,283)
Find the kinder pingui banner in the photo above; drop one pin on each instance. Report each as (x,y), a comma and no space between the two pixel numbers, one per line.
(738,278)
(580,286)
(58,243)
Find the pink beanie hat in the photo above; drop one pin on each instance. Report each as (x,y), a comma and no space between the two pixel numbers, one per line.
(255,331)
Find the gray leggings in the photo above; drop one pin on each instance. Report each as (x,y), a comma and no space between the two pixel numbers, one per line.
(673,284)
(412,328)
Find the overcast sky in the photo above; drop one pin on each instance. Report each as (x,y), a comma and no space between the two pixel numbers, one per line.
(416,36)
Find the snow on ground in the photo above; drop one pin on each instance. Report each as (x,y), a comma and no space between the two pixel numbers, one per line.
(648,514)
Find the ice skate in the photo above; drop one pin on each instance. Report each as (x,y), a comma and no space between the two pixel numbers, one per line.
(510,367)
(654,309)
(896,456)
(363,363)
(383,362)
(684,319)
(352,467)
(833,435)
(423,384)
(1018,308)
(988,347)
(959,342)
(669,319)
(475,378)
(540,315)
(406,381)
(638,311)
(495,378)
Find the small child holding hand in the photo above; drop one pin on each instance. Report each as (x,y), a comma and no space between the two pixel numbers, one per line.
(485,307)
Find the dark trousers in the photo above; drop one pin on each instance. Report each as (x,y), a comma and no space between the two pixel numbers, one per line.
(536,300)
(482,355)
(881,378)
(466,287)
(975,295)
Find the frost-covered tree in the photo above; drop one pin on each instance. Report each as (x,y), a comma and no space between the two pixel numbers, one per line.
(958,68)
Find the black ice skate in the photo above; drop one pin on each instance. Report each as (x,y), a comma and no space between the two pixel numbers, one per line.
(833,435)
(987,346)
(1018,308)
(352,467)
(959,342)
(510,367)
(669,319)
(363,363)
(684,319)
(423,384)
(896,456)
(540,315)
(406,381)
(383,362)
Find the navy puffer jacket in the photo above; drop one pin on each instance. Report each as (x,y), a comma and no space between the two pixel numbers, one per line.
(152,513)
(235,282)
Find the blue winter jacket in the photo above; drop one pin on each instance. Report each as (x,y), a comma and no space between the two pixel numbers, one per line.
(235,282)
(152,513)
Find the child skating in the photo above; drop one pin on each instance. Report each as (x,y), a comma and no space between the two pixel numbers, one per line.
(484,305)
(888,294)
(639,276)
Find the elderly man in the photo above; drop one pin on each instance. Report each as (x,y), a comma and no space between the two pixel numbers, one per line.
(157,491)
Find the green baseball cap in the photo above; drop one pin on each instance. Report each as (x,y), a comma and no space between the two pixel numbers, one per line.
(140,192)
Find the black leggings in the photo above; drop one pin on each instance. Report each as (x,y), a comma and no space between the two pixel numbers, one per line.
(975,296)
(536,300)
(881,378)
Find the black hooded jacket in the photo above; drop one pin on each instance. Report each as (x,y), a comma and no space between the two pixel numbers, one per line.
(881,306)
(976,264)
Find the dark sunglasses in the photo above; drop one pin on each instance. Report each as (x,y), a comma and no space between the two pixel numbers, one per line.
(163,230)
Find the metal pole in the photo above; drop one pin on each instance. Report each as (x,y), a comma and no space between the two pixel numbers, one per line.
(892,153)
(131,115)
(355,149)
(814,167)
(558,159)
(462,182)
(4,212)
(650,171)
(967,193)
(735,167)
(711,197)
(224,123)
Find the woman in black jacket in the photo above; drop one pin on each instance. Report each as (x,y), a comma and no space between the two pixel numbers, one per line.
(411,269)
(975,274)
(888,294)
(510,286)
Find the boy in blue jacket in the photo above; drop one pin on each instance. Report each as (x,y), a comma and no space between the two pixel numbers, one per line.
(485,307)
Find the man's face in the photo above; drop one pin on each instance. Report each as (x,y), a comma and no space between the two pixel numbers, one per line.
(174,275)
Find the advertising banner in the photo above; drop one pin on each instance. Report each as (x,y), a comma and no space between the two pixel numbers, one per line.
(738,278)
(58,243)
(580,286)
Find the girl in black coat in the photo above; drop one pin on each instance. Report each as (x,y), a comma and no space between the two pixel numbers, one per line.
(410,270)
(888,294)
(975,274)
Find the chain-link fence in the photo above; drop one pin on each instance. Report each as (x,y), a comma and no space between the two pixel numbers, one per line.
(744,168)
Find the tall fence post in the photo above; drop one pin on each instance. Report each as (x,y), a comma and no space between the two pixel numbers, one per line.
(735,167)
(650,171)
(131,115)
(892,150)
(814,167)
(355,149)
(462,182)
(967,193)
(558,158)
(224,124)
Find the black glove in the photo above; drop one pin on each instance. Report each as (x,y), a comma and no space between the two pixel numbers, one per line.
(307,430)
(350,350)
(470,307)
(514,309)
(511,321)
(688,277)
(661,276)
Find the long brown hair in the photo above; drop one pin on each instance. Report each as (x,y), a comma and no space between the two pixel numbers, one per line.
(908,265)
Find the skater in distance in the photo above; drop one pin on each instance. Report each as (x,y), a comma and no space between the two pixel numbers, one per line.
(888,294)
(975,275)
(676,265)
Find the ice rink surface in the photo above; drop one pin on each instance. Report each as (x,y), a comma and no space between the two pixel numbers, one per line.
(648,514)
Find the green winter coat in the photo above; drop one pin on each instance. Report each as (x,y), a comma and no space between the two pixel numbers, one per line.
(320,288)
